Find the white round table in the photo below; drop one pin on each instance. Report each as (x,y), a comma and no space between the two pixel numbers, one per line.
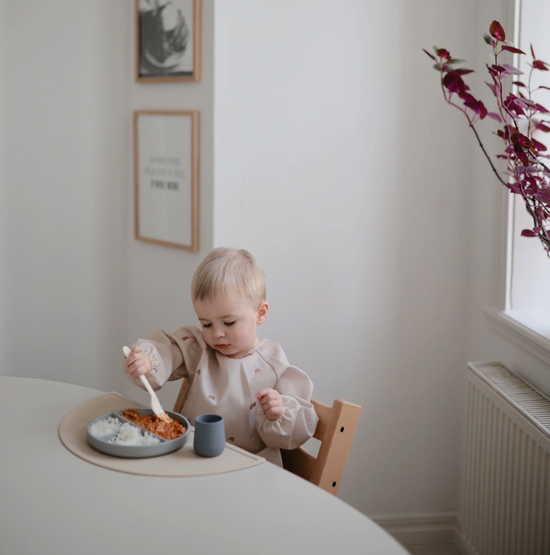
(52,502)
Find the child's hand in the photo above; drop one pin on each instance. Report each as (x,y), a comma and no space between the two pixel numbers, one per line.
(138,364)
(271,403)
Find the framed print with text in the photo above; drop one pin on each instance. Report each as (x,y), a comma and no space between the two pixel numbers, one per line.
(168,40)
(166,178)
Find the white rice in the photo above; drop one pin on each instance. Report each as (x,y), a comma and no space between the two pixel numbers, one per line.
(127,434)
(132,435)
(106,427)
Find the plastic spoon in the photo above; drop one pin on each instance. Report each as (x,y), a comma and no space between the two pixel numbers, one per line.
(155,403)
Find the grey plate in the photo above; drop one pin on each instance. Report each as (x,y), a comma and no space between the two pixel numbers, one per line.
(138,451)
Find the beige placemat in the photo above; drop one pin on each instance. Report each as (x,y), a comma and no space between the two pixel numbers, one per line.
(184,462)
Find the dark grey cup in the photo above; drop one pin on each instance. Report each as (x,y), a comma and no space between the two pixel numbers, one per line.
(209,435)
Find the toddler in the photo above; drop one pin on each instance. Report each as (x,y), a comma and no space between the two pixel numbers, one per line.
(263,399)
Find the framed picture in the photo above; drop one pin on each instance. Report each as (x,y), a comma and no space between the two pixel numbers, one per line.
(166,178)
(168,40)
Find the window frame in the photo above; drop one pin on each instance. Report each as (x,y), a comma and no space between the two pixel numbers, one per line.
(528,329)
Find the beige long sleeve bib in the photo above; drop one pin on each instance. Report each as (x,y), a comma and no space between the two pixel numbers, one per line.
(228,387)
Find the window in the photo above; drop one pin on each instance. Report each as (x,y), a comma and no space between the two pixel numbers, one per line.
(526,312)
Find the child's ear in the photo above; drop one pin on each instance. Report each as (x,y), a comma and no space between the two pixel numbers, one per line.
(262,312)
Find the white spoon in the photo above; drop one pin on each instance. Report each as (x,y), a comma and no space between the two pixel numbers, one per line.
(155,403)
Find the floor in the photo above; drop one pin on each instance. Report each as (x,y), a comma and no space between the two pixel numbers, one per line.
(440,549)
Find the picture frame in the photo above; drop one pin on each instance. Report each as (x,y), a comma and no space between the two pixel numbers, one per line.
(167,40)
(166,178)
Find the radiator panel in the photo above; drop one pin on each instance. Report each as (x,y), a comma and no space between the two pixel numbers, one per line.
(506,489)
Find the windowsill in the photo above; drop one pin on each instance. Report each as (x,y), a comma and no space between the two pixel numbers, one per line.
(530,330)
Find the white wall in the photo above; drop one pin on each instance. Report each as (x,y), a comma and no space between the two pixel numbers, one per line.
(3,227)
(65,135)
(331,167)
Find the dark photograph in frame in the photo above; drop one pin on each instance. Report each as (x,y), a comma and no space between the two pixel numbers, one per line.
(168,40)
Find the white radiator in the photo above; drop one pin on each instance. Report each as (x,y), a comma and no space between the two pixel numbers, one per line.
(506,495)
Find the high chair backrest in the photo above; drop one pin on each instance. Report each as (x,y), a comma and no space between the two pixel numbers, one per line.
(335,431)
(181,395)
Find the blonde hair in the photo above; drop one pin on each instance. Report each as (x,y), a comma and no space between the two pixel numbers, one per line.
(227,271)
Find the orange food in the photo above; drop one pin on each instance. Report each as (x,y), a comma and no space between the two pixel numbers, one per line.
(153,424)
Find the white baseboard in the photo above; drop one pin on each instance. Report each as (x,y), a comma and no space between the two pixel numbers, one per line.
(424,529)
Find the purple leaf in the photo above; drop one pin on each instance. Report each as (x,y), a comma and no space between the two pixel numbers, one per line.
(539,146)
(454,82)
(489,39)
(532,184)
(477,106)
(541,126)
(511,69)
(540,108)
(539,64)
(514,104)
(494,116)
(529,233)
(544,195)
(540,213)
(512,49)
(461,71)
(518,84)
(497,31)
(432,57)
(492,86)
(525,169)
(467,97)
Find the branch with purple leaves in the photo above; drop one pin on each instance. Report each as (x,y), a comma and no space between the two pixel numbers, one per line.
(520,117)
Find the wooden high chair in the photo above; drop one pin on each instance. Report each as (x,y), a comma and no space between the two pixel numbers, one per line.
(335,431)
(183,389)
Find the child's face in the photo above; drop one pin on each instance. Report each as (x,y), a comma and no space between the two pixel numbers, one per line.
(229,324)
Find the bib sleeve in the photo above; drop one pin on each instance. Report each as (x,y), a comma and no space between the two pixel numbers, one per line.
(299,419)
(173,355)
